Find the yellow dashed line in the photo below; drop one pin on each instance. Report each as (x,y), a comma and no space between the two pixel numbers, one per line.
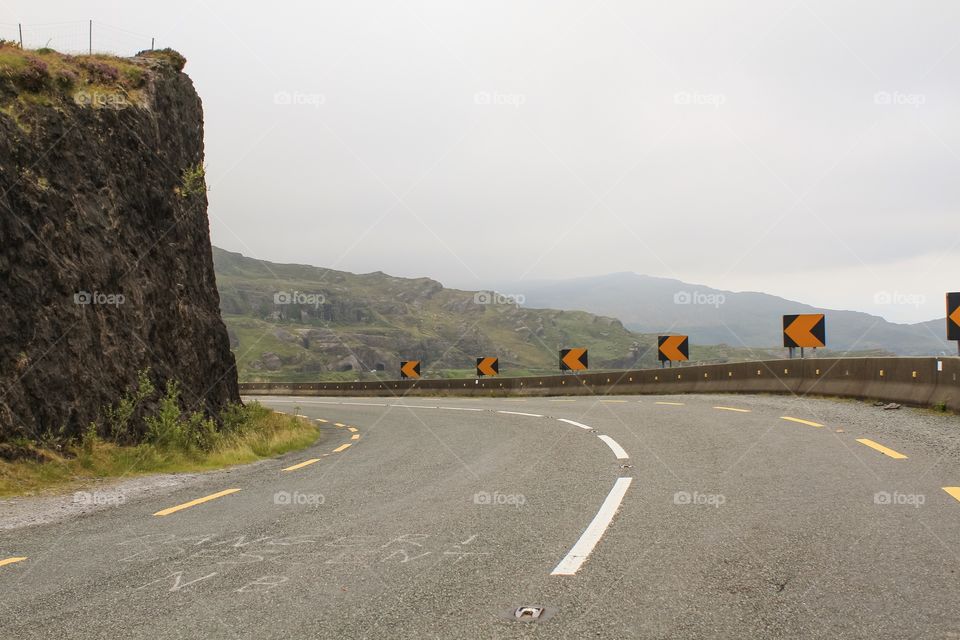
(193,503)
(675,404)
(341,448)
(339,424)
(733,409)
(806,422)
(321,420)
(882,449)
(954,492)
(302,464)
(353,429)
(355,436)
(10,561)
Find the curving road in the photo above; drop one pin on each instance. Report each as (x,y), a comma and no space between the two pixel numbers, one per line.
(650,517)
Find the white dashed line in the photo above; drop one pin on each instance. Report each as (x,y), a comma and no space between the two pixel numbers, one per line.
(576,424)
(365,404)
(461,408)
(615,447)
(519,413)
(591,536)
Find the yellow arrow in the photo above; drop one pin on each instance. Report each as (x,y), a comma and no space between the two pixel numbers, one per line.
(572,359)
(671,348)
(800,330)
(486,367)
(410,369)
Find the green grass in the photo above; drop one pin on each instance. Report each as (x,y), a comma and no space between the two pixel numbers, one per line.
(256,433)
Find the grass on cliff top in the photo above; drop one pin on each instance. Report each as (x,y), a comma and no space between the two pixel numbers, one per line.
(45,76)
(264,434)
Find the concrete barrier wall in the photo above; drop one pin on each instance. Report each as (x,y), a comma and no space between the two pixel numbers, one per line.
(920,382)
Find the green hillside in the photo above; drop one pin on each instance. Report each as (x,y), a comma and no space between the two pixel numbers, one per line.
(344,326)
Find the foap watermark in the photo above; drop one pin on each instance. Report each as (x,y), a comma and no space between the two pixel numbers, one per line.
(890,298)
(299,98)
(699,297)
(497,99)
(296,498)
(715,500)
(493,297)
(298,297)
(98,498)
(714,100)
(513,499)
(102,99)
(896,98)
(98,297)
(915,500)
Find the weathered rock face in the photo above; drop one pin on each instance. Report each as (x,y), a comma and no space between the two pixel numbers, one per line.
(105,254)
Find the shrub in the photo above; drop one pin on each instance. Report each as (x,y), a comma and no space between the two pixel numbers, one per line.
(100,72)
(118,418)
(193,181)
(33,75)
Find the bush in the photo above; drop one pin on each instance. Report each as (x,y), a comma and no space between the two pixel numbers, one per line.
(168,429)
(33,76)
(100,72)
(118,418)
(193,181)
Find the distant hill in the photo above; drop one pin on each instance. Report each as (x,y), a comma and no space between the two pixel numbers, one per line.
(649,304)
(298,322)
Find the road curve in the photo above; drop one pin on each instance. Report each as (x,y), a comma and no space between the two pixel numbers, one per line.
(693,516)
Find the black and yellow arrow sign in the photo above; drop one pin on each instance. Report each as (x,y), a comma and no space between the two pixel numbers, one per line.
(410,369)
(805,330)
(673,348)
(573,359)
(953,316)
(488,367)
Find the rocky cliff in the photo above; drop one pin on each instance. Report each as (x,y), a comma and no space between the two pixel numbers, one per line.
(105,253)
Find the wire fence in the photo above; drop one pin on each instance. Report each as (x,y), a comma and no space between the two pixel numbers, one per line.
(82,36)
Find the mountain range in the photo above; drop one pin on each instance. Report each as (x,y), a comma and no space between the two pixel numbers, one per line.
(648,304)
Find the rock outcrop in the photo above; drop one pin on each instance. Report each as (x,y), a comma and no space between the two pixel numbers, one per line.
(105,249)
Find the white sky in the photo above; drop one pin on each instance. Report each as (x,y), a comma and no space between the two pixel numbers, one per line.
(808,149)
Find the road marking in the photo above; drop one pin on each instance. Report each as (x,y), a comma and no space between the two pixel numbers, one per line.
(322,420)
(591,536)
(341,448)
(10,561)
(339,424)
(302,464)
(675,404)
(352,429)
(954,492)
(193,503)
(519,413)
(615,446)
(366,404)
(461,408)
(355,436)
(806,422)
(576,424)
(414,406)
(882,449)
(733,409)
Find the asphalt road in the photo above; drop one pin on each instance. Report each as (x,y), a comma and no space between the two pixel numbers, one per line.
(691,517)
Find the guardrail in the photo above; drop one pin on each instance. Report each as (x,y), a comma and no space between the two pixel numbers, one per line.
(924,382)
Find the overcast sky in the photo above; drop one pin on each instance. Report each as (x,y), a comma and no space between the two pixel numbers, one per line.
(807,149)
